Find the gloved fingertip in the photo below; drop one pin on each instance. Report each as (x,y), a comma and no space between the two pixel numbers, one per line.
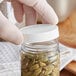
(19,41)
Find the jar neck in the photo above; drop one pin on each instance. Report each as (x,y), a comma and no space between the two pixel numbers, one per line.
(41,46)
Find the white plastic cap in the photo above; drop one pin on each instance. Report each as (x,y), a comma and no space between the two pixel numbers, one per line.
(40,33)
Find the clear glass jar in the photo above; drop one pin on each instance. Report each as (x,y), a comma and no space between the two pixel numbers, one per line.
(40,58)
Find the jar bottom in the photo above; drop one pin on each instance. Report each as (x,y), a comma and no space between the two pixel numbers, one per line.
(40,65)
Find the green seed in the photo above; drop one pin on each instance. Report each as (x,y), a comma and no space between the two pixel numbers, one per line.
(37,72)
(42,64)
(34,67)
(48,69)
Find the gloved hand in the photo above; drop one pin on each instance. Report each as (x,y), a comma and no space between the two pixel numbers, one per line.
(1,1)
(30,8)
(9,32)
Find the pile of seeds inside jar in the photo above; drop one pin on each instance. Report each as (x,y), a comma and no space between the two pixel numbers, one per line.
(40,64)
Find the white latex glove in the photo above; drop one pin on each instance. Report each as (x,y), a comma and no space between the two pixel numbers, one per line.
(1,1)
(9,32)
(30,7)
